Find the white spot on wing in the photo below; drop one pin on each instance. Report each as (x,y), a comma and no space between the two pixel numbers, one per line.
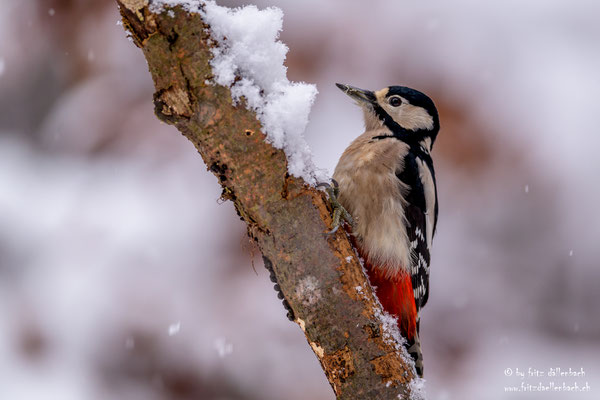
(423,263)
(419,234)
(429,189)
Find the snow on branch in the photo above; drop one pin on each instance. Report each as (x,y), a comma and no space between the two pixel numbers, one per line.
(249,59)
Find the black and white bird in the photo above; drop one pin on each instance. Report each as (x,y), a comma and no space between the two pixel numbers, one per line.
(387,184)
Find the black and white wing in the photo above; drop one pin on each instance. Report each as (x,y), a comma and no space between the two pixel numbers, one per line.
(421,215)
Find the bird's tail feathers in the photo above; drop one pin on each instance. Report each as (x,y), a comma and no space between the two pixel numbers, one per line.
(414,349)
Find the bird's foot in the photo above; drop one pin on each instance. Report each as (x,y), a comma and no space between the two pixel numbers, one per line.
(340,214)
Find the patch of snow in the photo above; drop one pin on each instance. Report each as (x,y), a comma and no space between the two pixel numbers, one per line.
(348,259)
(249,50)
(249,46)
(390,330)
(308,291)
(417,389)
(174,328)
(158,6)
(223,347)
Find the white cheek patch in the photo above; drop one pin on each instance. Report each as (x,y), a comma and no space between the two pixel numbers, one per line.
(412,117)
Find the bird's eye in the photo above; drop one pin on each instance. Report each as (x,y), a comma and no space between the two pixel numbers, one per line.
(395,101)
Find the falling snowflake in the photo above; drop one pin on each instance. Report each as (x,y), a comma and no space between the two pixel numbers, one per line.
(174,328)
(223,347)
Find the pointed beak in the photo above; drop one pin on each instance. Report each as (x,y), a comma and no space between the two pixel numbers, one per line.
(357,94)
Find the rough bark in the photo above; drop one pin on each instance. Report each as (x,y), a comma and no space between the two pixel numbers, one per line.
(317,275)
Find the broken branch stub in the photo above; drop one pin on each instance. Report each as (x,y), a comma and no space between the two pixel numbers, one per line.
(320,277)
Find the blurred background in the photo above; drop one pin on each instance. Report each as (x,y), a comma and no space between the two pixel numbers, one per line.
(122,276)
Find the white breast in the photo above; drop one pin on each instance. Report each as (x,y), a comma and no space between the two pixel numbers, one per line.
(371,192)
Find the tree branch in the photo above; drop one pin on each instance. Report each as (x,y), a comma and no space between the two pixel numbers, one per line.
(320,277)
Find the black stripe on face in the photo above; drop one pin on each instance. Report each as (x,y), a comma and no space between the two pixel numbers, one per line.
(406,135)
(387,119)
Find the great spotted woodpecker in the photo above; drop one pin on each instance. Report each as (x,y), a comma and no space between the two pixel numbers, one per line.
(387,184)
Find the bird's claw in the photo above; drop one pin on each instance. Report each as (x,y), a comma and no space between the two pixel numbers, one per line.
(340,214)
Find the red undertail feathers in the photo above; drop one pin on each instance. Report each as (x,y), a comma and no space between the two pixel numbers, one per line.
(396,296)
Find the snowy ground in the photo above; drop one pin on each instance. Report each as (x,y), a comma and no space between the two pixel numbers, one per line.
(121,275)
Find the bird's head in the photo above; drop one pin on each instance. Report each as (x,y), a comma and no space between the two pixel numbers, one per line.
(409,114)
